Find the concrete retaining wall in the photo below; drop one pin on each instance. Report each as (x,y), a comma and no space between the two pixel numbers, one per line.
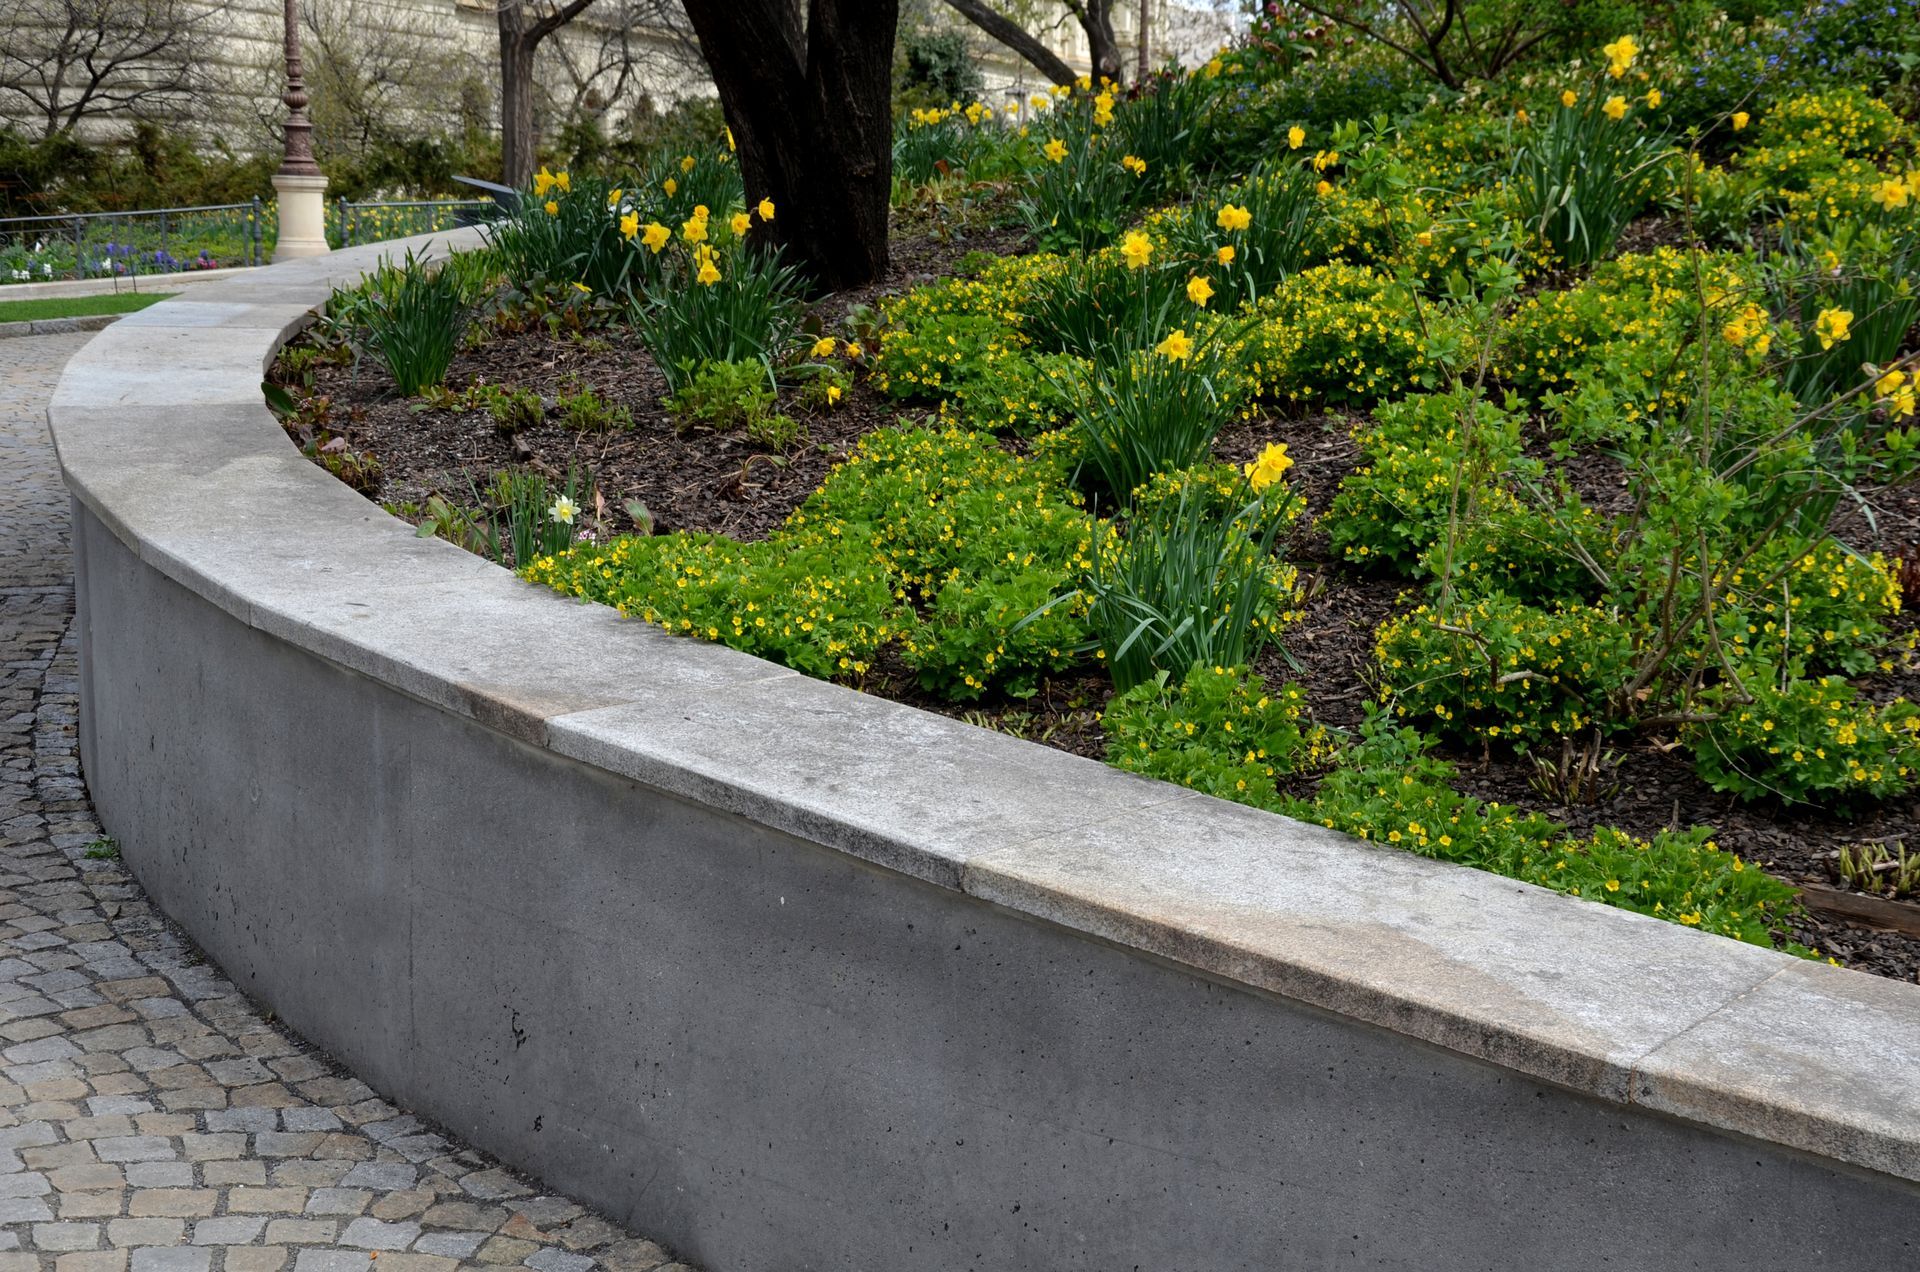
(798,978)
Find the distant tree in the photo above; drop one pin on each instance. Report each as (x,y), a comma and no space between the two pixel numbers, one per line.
(641,45)
(524,26)
(1011,23)
(808,99)
(63,62)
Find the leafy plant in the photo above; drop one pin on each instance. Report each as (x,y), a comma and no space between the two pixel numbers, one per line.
(1157,410)
(723,304)
(585,411)
(1581,176)
(412,315)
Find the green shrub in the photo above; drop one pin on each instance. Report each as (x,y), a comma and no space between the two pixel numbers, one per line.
(585,411)
(723,304)
(1581,175)
(723,395)
(1192,585)
(412,316)
(1429,461)
(1390,790)
(1496,669)
(1282,209)
(1807,741)
(565,232)
(510,406)
(1812,607)
(1343,333)
(1218,730)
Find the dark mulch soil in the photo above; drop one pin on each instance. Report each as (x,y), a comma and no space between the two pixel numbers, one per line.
(724,483)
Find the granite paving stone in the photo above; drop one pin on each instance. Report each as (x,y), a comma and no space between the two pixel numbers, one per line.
(151,1119)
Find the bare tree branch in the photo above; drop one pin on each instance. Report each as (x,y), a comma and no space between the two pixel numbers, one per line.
(1015,37)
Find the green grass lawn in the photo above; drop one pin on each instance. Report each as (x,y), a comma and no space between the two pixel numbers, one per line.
(78,306)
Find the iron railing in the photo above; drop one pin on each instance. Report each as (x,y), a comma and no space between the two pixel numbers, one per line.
(372,222)
(130,244)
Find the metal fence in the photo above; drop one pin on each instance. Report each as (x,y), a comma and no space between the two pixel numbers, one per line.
(355,223)
(131,244)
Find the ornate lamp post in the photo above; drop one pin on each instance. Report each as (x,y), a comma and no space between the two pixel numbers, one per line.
(299,182)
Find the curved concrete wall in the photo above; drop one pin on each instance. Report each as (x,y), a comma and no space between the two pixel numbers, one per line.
(798,978)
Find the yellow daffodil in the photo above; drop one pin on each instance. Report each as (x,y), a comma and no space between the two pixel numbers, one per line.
(709,273)
(1265,470)
(700,212)
(1891,194)
(686,163)
(740,223)
(563,510)
(1055,150)
(1323,188)
(1138,250)
(1134,164)
(553,209)
(1653,98)
(655,236)
(1616,107)
(1325,159)
(694,229)
(1176,347)
(1568,98)
(729,132)
(853,349)
(1521,117)
(1833,326)
(613,196)
(564,182)
(1740,118)
(629,226)
(1296,137)
(765,209)
(671,186)
(833,394)
(1233,218)
(542,182)
(1620,55)
(1199,290)
(824,347)
(1898,390)
(1225,255)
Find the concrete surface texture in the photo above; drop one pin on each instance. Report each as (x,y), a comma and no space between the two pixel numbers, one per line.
(150,1118)
(770,964)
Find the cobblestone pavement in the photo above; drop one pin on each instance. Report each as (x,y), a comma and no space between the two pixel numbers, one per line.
(150,1119)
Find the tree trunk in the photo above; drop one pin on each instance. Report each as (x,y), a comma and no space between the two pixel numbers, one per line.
(811,114)
(1146,38)
(517,142)
(1096,19)
(1015,37)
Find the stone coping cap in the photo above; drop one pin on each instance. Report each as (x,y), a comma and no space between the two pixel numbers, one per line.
(163,435)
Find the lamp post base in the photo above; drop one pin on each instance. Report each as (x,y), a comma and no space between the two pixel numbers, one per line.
(303,215)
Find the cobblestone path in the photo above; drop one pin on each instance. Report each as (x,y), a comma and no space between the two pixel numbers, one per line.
(150,1119)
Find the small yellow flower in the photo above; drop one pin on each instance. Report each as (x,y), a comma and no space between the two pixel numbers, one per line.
(629,226)
(1653,98)
(542,182)
(1325,159)
(565,182)
(1424,238)
(1616,107)
(709,273)
(686,163)
(1568,98)
(613,196)
(694,229)
(1055,150)
(1833,326)
(1521,117)
(824,347)
(1323,188)
(1225,255)
(833,394)
(1620,55)
(740,223)
(553,209)
(1138,250)
(1296,137)
(1234,218)
(671,186)
(853,349)
(1265,470)
(765,209)
(1134,164)
(655,236)
(1199,290)
(1891,194)
(1740,118)
(1176,347)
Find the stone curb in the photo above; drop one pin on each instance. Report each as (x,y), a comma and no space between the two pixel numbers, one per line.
(1598,1000)
(57,326)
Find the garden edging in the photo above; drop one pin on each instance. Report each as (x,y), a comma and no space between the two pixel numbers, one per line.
(357,765)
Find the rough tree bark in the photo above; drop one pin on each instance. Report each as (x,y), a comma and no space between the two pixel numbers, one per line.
(1015,37)
(1096,19)
(810,110)
(521,32)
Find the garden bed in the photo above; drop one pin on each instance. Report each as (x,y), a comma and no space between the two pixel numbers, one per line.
(1570,546)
